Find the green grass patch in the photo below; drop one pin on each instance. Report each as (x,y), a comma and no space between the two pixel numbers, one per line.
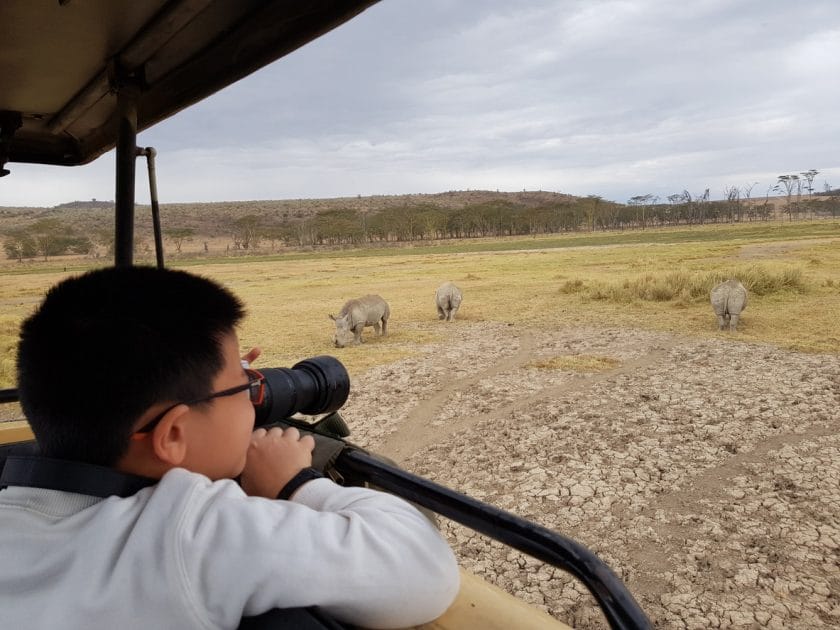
(576,363)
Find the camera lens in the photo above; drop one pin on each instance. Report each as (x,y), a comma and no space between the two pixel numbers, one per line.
(313,386)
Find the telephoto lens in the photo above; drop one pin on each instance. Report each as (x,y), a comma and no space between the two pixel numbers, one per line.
(313,386)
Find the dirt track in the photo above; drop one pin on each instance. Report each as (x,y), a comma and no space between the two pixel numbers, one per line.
(706,473)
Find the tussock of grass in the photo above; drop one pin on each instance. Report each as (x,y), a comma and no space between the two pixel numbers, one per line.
(8,351)
(688,287)
(761,280)
(572,286)
(576,363)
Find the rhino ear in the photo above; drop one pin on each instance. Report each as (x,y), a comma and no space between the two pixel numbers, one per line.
(331,316)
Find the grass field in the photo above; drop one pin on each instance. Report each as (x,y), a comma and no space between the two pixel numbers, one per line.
(656,279)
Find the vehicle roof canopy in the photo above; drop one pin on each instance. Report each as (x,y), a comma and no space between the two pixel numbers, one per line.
(63,62)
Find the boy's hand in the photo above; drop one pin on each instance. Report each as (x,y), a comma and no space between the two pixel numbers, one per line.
(252,355)
(274,457)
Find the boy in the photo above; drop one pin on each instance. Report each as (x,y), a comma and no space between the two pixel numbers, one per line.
(138,370)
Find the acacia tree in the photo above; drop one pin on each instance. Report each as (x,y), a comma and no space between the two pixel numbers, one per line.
(609,214)
(246,232)
(47,234)
(809,178)
(788,182)
(274,234)
(643,202)
(433,221)
(591,209)
(303,232)
(178,236)
(19,244)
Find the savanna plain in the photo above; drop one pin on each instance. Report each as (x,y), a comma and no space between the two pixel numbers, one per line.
(585,386)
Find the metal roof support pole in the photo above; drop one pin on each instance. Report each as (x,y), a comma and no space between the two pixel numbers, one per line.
(127,96)
(9,123)
(150,154)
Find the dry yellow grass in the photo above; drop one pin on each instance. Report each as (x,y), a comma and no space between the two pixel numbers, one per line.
(288,299)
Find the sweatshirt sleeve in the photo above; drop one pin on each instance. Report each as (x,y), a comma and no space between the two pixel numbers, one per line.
(363,556)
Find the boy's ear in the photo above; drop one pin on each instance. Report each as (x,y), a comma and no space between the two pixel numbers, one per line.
(169,437)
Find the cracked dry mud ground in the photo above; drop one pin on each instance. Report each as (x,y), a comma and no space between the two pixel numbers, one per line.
(705,472)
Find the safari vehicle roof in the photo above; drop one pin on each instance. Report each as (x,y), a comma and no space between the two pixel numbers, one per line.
(63,61)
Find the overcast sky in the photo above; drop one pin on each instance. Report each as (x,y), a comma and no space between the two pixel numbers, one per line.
(602,97)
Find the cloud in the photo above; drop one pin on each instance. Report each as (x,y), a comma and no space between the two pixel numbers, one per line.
(609,97)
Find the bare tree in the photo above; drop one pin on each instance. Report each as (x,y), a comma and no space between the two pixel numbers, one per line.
(733,202)
(700,202)
(747,192)
(675,200)
(591,210)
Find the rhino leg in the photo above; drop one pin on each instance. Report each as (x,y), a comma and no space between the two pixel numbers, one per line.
(452,314)
(733,323)
(721,322)
(441,313)
(376,327)
(384,326)
(357,335)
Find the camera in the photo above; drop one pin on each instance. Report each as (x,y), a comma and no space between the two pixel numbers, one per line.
(313,386)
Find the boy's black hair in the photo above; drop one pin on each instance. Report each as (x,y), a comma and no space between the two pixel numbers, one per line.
(105,346)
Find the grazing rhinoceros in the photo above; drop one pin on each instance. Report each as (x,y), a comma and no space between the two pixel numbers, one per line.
(729,299)
(448,300)
(369,310)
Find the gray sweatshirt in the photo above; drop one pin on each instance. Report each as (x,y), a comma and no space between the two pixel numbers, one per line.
(191,553)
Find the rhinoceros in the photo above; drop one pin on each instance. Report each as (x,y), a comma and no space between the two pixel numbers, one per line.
(729,299)
(448,301)
(369,310)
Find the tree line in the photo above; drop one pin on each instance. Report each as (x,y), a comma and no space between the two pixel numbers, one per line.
(45,238)
(421,222)
(427,221)
(738,203)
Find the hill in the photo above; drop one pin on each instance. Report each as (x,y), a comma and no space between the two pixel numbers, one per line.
(212,218)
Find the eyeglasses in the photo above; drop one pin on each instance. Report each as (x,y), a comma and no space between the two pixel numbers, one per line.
(255,387)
